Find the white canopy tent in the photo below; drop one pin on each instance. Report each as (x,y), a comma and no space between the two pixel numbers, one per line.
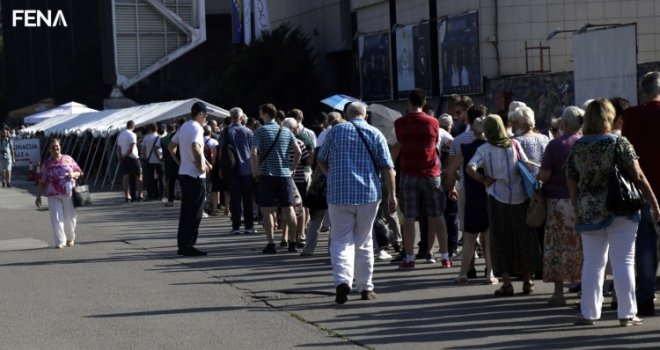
(65,109)
(109,122)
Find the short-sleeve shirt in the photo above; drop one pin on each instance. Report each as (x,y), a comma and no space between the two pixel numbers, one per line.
(6,147)
(53,175)
(500,164)
(590,163)
(190,132)
(310,135)
(126,140)
(241,138)
(276,162)
(554,159)
(299,176)
(534,146)
(640,126)
(148,142)
(353,178)
(418,135)
(464,138)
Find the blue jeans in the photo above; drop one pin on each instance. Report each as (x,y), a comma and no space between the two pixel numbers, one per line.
(241,192)
(646,257)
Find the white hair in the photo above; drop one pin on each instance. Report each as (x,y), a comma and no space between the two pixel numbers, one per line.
(524,116)
(290,123)
(235,113)
(512,107)
(572,118)
(651,84)
(356,109)
(586,103)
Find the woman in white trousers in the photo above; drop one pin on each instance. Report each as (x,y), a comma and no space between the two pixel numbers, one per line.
(588,168)
(58,178)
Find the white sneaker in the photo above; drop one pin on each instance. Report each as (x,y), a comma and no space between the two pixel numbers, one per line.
(383,255)
(205,215)
(59,246)
(70,243)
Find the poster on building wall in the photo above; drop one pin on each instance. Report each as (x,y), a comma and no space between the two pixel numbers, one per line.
(460,61)
(413,58)
(405,60)
(375,79)
(422,47)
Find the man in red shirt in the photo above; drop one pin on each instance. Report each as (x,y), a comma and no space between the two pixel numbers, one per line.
(640,124)
(417,134)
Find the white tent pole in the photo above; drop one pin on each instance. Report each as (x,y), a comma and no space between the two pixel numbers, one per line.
(91,143)
(82,147)
(74,147)
(113,154)
(96,151)
(66,144)
(98,172)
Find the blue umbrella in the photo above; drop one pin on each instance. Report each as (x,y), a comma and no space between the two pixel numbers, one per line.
(339,101)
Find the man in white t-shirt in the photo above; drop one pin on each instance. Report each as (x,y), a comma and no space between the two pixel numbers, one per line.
(153,155)
(127,153)
(189,140)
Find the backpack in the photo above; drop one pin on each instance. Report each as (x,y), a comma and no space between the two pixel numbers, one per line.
(227,162)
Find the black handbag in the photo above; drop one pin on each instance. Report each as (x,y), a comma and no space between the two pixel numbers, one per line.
(623,197)
(80,196)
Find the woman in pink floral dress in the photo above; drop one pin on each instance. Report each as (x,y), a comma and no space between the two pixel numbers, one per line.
(56,172)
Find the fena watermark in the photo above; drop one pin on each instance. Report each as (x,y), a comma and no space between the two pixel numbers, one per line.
(38,18)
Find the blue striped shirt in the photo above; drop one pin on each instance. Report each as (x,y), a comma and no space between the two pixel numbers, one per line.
(277,161)
(353,178)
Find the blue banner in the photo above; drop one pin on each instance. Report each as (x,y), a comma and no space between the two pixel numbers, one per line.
(460,62)
(375,74)
(236,21)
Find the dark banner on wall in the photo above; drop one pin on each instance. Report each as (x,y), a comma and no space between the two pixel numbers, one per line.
(460,62)
(375,79)
(413,52)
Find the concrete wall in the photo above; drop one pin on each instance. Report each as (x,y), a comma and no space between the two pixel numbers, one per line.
(526,20)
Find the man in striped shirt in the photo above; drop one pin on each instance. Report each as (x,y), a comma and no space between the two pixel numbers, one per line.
(271,145)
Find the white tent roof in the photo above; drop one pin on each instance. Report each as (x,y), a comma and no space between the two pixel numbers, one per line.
(111,121)
(67,108)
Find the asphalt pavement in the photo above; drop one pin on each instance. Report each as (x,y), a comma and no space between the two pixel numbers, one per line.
(123,287)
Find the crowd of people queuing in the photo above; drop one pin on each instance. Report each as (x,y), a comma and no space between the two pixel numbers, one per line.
(457,174)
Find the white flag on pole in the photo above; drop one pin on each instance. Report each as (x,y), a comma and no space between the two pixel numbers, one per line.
(261,18)
(247,21)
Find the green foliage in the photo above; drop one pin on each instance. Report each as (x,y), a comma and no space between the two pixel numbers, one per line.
(280,69)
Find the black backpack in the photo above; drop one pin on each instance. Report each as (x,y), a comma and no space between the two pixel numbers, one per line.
(228,161)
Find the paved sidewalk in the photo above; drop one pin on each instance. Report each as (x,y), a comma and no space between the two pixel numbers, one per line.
(123,287)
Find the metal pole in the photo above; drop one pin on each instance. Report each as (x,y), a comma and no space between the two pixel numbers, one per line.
(74,147)
(98,172)
(96,151)
(113,154)
(82,148)
(91,143)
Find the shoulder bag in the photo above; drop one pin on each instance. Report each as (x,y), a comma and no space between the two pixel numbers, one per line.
(623,197)
(536,212)
(364,140)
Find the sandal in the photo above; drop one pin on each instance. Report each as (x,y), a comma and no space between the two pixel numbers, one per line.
(490,281)
(528,288)
(505,291)
(461,280)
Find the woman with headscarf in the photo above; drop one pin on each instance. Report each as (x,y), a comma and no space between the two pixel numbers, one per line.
(514,246)
(476,211)
(58,178)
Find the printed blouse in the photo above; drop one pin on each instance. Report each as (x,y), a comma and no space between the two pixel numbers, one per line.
(590,163)
(53,175)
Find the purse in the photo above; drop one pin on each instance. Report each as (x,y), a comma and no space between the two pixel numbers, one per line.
(623,197)
(80,196)
(536,212)
(528,179)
